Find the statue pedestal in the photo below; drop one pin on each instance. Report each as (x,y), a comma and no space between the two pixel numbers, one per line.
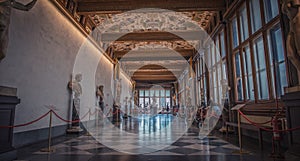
(75,127)
(292,101)
(116,114)
(74,130)
(125,112)
(8,102)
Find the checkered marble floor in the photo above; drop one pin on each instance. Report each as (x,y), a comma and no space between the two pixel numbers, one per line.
(189,144)
(136,144)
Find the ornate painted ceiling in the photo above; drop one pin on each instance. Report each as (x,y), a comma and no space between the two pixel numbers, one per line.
(163,37)
(152,20)
(153,45)
(180,24)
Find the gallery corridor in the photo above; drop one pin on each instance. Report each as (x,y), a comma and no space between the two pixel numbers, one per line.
(142,80)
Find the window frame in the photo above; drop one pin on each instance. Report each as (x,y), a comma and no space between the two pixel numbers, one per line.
(263,30)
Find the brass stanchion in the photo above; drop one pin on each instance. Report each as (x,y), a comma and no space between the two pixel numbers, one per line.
(241,151)
(49,149)
(97,119)
(87,124)
(117,115)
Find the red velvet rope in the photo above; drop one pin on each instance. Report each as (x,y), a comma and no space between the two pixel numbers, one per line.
(69,121)
(41,117)
(252,122)
(31,122)
(263,128)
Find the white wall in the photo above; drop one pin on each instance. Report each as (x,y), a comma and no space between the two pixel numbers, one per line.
(41,54)
(126,89)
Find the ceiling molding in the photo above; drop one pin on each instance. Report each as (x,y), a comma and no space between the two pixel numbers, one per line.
(116,6)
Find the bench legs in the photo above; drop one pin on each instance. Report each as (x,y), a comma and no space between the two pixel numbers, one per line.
(260,137)
(226,131)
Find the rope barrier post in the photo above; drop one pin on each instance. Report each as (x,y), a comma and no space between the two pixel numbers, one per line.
(87,124)
(237,108)
(276,152)
(117,115)
(241,151)
(96,118)
(49,149)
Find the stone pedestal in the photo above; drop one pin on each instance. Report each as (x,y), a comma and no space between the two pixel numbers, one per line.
(75,127)
(292,103)
(8,102)
(126,112)
(116,114)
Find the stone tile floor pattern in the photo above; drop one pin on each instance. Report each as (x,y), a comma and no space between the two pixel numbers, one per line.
(188,147)
(142,147)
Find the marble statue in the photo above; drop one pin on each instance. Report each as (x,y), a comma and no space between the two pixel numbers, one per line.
(136,97)
(118,91)
(188,97)
(292,9)
(130,105)
(5,10)
(126,107)
(100,95)
(75,87)
(153,106)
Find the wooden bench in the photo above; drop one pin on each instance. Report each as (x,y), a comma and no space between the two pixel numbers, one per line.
(248,127)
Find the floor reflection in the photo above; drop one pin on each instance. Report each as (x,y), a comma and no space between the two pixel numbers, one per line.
(145,123)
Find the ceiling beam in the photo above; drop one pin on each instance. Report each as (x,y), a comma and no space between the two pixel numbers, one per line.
(154,73)
(154,36)
(143,58)
(117,6)
(156,70)
(154,77)
(160,53)
(169,66)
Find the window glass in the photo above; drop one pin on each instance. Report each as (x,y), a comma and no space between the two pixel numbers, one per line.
(205,90)
(223,49)
(168,102)
(271,9)
(162,102)
(147,102)
(219,79)
(147,93)
(217,48)
(248,78)
(141,92)
(151,93)
(261,73)
(243,24)
(277,56)
(255,15)
(224,74)
(238,74)
(156,93)
(200,68)
(215,85)
(235,38)
(224,70)
(212,48)
(141,102)
(168,93)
